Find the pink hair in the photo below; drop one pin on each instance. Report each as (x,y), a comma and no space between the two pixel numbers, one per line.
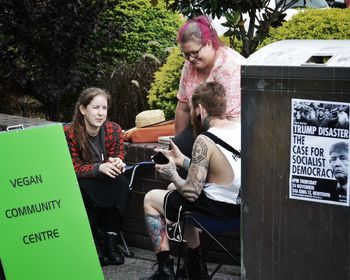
(199,28)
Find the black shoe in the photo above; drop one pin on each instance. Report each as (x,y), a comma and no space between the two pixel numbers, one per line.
(194,272)
(196,266)
(99,249)
(112,251)
(165,271)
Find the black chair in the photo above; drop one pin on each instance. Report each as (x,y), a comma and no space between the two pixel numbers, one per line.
(213,229)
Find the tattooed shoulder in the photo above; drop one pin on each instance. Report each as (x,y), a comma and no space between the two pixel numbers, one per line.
(200,151)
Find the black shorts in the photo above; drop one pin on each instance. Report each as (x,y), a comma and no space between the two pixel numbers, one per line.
(203,205)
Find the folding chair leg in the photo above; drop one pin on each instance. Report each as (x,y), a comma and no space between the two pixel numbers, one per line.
(180,252)
(179,260)
(125,249)
(213,239)
(215,270)
(216,241)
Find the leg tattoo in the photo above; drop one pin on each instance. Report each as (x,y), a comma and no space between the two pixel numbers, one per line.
(156,228)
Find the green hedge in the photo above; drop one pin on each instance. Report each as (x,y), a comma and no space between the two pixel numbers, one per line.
(142,28)
(314,24)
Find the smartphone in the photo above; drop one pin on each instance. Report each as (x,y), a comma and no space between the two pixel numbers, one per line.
(160,158)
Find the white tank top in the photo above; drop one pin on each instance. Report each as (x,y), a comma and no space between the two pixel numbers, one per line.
(227,193)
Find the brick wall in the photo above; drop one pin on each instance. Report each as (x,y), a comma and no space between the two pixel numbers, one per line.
(134,228)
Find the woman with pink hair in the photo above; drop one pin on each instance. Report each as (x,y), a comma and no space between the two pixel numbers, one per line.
(207,60)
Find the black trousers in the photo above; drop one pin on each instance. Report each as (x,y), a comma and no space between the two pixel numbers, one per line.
(106,200)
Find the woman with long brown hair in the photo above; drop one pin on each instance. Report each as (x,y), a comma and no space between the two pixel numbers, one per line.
(97,150)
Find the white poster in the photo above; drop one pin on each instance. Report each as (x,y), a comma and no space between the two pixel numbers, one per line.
(319,154)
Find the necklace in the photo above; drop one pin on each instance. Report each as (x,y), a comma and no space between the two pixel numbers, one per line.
(92,134)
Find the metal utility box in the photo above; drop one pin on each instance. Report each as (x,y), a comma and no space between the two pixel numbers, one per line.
(295,106)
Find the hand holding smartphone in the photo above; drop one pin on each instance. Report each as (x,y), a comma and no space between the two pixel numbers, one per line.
(160,158)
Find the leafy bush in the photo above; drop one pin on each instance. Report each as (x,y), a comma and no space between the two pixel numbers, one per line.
(326,24)
(162,94)
(131,28)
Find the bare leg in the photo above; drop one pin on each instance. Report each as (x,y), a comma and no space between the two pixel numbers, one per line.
(154,215)
(155,221)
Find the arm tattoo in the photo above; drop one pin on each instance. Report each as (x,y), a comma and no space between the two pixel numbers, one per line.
(168,171)
(186,163)
(193,185)
(200,151)
(156,228)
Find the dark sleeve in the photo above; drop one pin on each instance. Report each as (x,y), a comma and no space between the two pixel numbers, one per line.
(82,169)
(114,141)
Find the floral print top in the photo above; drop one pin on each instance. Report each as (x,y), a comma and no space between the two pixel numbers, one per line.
(226,71)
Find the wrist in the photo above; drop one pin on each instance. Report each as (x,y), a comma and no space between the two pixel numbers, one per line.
(186,163)
(100,167)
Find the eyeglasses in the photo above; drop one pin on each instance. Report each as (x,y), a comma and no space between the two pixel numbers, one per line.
(193,54)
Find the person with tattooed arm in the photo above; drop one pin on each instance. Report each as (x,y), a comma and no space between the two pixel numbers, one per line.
(211,187)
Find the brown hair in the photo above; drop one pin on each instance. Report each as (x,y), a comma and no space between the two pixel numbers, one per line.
(212,97)
(81,134)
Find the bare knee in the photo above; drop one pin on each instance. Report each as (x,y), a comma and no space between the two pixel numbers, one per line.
(153,202)
(148,200)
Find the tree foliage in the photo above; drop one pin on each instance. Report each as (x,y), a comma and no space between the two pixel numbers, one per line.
(39,40)
(261,17)
(145,29)
(127,31)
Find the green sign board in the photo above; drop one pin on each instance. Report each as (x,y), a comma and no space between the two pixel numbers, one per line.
(45,233)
